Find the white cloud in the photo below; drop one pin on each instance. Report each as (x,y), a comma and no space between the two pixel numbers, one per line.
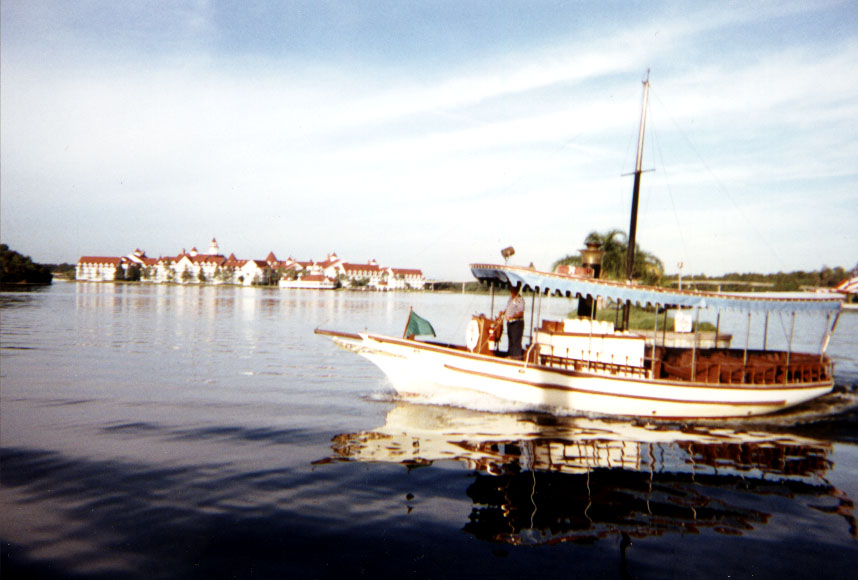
(271,152)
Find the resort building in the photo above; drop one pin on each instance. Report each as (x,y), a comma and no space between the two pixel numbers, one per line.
(97,269)
(193,267)
(405,278)
(310,281)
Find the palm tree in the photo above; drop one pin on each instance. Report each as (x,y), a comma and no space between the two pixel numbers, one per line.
(648,268)
(614,243)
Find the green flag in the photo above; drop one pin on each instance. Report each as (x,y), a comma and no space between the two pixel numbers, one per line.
(418,326)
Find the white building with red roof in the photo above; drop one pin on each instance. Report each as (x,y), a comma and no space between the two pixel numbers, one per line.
(309,282)
(405,278)
(213,268)
(194,268)
(369,274)
(253,272)
(97,268)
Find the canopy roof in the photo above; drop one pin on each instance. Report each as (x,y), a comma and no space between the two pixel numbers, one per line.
(572,286)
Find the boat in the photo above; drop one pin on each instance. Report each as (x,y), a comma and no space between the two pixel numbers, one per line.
(582,365)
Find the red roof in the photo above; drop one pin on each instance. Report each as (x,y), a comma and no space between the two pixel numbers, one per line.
(407,271)
(99,260)
(208,259)
(361,267)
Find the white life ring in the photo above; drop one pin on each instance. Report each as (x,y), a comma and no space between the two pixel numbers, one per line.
(472,335)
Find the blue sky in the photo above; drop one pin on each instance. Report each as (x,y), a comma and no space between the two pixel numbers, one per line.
(430,134)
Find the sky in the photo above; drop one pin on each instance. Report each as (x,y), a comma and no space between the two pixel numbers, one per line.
(431,134)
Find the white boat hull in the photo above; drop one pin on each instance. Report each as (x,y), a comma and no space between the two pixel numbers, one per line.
(419,369)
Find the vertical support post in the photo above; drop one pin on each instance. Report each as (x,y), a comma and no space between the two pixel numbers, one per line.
(590,339)
(532,312)
(825,341)
(694,344)
(745,355)
(766,331)
(492,292)
(654,341)
(789,348)
(717,328)
(827,338)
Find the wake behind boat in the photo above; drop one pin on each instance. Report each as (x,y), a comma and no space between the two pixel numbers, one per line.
(582,365)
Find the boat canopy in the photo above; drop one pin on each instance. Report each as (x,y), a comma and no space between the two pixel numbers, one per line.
(572,286)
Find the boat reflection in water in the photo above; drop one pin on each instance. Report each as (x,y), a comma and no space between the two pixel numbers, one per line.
(542,480)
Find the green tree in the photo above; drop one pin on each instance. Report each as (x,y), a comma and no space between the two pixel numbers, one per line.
(19,269)
(614,243)
(225,274)
(133,273)
(64,270)
(648,267)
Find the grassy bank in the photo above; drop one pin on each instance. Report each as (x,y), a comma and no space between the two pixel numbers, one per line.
(641,318)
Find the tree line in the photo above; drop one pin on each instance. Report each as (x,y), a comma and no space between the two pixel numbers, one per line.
(16,268)
(825,277)
(649,269)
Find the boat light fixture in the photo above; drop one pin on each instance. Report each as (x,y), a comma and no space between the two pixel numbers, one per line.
(507,253)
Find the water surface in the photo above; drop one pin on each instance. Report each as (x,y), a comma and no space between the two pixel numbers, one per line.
(202,432)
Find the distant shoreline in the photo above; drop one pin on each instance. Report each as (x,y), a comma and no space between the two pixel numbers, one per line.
(8,286)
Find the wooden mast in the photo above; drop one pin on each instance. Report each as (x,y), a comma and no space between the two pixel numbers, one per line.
(633,225)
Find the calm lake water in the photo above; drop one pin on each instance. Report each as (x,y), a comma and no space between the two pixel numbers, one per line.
(200,432)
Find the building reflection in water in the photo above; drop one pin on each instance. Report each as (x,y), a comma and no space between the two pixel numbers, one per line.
(541,480)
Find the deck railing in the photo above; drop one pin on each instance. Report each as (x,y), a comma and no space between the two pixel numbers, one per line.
(737,367)
(719,366)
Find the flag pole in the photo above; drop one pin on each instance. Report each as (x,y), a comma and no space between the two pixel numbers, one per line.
(407,322)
